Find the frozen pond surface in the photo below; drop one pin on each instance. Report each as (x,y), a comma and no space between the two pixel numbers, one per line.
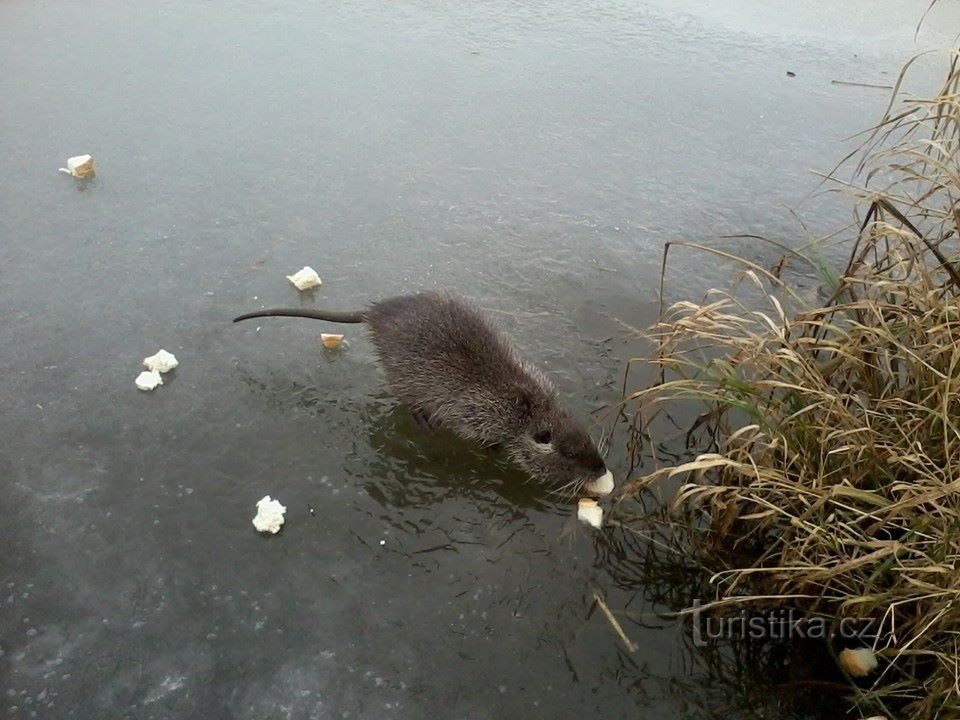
(533,156)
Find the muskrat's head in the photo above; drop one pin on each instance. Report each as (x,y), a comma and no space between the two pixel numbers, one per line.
(555,450)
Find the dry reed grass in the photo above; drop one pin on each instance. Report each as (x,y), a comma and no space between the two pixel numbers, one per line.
(834,482)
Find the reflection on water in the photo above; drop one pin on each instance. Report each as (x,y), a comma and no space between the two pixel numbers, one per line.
(415,468)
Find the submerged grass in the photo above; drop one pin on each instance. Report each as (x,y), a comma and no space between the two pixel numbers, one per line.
(829,479)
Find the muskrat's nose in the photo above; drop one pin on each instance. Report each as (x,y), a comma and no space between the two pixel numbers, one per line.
(603,485)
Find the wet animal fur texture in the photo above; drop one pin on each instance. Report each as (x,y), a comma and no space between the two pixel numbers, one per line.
(454,369)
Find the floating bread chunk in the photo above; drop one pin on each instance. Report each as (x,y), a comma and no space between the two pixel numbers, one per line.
(148,380)
(305,278)
(162,362)
(80,166)
(590,512)
(331,341)
(858,662)
(269,517)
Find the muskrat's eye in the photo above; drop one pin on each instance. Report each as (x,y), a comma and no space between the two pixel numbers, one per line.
(542,437)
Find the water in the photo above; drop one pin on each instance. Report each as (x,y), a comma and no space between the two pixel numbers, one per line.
(533,156)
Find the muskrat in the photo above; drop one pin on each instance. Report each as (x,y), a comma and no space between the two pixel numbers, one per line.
(454,369)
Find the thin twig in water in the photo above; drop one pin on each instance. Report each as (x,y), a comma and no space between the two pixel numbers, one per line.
(630,645)
(861,84)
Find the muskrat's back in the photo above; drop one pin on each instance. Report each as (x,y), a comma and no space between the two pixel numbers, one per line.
(445,360)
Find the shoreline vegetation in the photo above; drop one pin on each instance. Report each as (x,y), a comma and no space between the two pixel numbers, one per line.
(825,471)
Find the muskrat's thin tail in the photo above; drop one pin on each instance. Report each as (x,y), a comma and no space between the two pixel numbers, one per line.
(337,316)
